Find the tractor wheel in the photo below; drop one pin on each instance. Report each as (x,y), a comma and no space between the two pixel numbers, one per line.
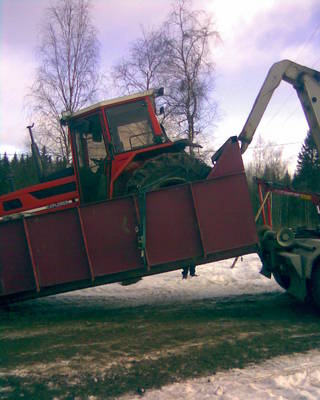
(167,170)
(281,279)
(315,284)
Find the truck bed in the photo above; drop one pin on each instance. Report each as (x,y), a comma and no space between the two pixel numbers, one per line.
(54,251)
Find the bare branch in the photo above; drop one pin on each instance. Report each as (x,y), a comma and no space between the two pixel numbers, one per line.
(176,55)
(67,77)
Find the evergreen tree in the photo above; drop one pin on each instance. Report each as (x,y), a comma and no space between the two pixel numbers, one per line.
(45,160)
(20,172)
(307,175)
(4,174)
(307,178)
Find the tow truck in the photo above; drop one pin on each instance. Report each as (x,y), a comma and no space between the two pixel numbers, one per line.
(292,256)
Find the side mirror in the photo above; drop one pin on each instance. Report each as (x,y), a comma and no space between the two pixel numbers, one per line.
(159,92)
(81,125)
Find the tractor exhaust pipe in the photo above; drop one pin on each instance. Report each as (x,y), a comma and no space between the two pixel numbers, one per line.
(36,154)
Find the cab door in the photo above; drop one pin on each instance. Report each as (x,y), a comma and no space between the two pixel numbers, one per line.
(92,158)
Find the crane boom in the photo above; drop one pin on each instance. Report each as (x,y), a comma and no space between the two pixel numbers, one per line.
(306,82)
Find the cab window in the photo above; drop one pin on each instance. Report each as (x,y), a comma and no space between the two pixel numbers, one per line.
(90,145)
(130,126)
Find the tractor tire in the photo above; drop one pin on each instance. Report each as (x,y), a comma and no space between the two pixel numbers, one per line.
(315,284)
(281,279)
(167,170)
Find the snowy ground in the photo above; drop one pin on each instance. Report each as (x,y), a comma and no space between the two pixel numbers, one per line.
(294,378)
(213,280)
(288,377)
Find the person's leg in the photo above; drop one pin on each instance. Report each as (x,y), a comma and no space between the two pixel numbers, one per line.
(184,272)
(192,270)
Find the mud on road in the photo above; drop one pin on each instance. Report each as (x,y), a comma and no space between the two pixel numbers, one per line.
(81,348)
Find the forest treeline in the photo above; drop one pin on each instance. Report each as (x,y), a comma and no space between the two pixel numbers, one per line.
(19,171)
(268,165)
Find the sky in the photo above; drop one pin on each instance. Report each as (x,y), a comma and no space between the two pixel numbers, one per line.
(254,34)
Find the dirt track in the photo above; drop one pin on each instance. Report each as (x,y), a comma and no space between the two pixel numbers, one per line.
(81,348)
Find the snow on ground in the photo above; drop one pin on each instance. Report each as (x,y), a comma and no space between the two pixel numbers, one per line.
(287,377)
(213,280)
(295,378)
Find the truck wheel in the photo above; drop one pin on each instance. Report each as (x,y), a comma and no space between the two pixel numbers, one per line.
(281,279)
(167,170)
(315,284)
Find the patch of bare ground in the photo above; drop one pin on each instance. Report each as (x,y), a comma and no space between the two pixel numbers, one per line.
(52,349)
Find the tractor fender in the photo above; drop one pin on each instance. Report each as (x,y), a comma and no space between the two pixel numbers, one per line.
(303,256)
(295,260)
(301,260)
(298,284)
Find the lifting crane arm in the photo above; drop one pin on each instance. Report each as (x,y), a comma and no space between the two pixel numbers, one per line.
(305,80)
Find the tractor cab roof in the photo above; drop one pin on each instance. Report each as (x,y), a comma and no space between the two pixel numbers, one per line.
(67,115)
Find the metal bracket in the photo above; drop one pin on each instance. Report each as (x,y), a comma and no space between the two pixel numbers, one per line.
(142,228)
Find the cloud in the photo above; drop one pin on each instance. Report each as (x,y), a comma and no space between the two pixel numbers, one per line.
(16,73)
(117,25)
(20,23)
(255,34)
(263,36)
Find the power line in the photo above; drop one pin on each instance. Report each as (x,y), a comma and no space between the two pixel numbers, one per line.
(290,116)
(273,145)
(316,62)
(270,145)
(302,47)
(314,32)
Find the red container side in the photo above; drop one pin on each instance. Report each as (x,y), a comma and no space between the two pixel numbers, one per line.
(111,237)
(92,244)
(16,274)
(225,213)
(58,248)
(172,231)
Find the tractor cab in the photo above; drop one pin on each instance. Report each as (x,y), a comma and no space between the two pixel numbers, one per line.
(107,136)
(110,142)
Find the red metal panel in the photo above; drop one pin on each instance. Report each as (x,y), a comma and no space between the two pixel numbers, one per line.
(29,197)
(225,213)
(84,236)
(58,248)
(198,222)
(16,273)
(172,231)
(33,263)
(227,160)
(111,237)
(183,224)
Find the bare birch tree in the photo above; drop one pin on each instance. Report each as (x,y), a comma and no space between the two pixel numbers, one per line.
(142,69)
(189,71)
(67,76)
(267,161)
(177,56)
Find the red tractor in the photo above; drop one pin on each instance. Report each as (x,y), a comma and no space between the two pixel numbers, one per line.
(118,147)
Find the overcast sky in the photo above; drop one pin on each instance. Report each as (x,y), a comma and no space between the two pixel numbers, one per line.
(255,34)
